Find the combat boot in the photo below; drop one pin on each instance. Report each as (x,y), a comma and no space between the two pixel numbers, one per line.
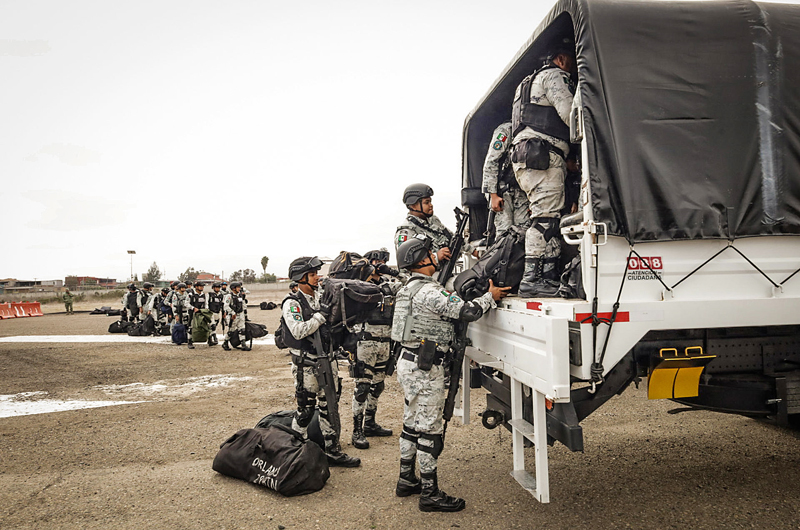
(337,458)
(432,499)
(210,341)
(359,440)
(533,285)
(190,344)
(371,428)
(225,346)
(408,483)
(245,347)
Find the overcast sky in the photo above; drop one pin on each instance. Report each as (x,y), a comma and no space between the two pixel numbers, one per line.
(208,134)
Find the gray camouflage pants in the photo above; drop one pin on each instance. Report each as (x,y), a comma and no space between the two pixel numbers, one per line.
(315,397)
(374,355)
(514,212)
(545,191)
(424,403)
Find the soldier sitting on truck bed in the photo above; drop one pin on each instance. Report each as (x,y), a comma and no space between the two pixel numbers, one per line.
(540,114)
(423,325)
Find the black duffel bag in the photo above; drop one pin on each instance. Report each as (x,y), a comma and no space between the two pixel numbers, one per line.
(284,417)
(276,458)
(120,326)
(351,301)
(503,263)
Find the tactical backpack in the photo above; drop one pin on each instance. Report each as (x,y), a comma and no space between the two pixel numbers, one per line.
(503,263)
(137,330)
(119,326)
(276,457)
(350,301)
(350,266)
(179,335)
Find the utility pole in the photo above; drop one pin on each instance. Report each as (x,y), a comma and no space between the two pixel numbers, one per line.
(131,252)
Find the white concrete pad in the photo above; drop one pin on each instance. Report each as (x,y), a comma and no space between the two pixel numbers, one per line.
(112,338)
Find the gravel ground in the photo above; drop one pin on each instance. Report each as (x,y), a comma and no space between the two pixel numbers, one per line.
(148,465)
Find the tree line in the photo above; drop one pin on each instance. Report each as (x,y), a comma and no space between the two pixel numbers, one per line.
(155,274)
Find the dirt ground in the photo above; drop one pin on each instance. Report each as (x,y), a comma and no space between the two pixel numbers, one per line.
(148,465)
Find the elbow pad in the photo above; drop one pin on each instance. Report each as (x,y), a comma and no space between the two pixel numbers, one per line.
(470,312)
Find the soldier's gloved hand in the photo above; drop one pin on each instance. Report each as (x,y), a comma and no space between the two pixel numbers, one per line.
(325,310)
(385,269)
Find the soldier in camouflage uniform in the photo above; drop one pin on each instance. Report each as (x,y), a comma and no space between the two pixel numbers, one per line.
(132,303)
(303,315)
(423,324)
(68,297)
(155,309)
(233,306)
(168,301)
(542,104)
(215,303)
(506,199)
(420,220)
(181,306)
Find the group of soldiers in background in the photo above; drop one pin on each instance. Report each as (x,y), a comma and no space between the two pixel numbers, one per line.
(182,300)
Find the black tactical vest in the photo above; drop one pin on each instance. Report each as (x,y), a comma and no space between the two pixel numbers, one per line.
(214,302)
(236,303)
(145,298)
(131,302)
(197,300)
(304,344)
(538,117)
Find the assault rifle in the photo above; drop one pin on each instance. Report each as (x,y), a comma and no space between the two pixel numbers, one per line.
(460,344)
(455,246)
(328,381)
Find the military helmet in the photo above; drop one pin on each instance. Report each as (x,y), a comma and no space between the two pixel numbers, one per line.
(380,255)
(415,192)
(199,284)
(181,284)
(132,287)
(299,267)
(216,285)
(564,46)
(147,285)
(224,283)
(189,282)
(164,290)
(174,284)
(234,285)
(413,251)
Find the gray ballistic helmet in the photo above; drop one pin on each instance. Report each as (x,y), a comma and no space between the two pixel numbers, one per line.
(164,290)
(299,267)
(132,287)
(565,46)
(415,192)
(147,285)
(413,251)
(216,285)
(234,285)
(174,284)
(199,284)
(181,285)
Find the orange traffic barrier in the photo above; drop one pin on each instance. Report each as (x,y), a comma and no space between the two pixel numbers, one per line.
(6,311)
(19,309)
(34,309)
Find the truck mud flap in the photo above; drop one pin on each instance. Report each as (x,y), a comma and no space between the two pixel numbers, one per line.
(674,375)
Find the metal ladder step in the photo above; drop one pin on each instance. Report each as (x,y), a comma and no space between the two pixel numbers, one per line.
(524,427)
(526,480)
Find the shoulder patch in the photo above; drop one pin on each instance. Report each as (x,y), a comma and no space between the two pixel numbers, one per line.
(497,146)
(298,317)
(294,309)
(446,292)
(401,239)
(501,136)
(454,299)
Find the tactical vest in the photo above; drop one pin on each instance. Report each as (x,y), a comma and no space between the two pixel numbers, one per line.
(215,302)
(197,300)
(145,298)
(131,301)
(237,306)
(410,328)
(538,117)
(303,344)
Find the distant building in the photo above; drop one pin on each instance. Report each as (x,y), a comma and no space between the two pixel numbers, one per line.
(89,281)
(208,277)
(12,285)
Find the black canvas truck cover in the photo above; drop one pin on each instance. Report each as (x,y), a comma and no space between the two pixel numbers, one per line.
(691,113)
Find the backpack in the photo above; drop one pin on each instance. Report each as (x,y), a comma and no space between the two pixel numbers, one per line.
(279,342)
(351,301)
(119,326)
(254,331)
(276,457)
(572,280)
(179,333)
(149,325)
(503,263)
(137,330)
(350,266)
(267,305)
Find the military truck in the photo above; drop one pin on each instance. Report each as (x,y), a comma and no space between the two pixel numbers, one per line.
(687,116)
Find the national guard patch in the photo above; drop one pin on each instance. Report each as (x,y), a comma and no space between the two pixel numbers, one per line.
(498,145)
(454,299)
(294,309)
(502,137)
(298,318)
(401,239)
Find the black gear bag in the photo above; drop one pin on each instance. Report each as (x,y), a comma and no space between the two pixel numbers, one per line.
(350,301)
(503,263)
(285,417)
(276,458)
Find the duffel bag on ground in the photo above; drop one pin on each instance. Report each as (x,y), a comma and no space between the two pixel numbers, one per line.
(284,417)
(276,458)
(179,335)
(119,326)
(503,263)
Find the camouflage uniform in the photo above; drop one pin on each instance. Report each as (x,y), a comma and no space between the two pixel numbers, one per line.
(181,307)
(432,228)
(545,189)
(374,354)
(67,297)
(497,163)
(155,309)
(233,303)
(433,309)
(132,306)
(302,328)
(215,304)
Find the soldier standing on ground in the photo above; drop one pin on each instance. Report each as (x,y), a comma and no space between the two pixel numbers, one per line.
(181,306)
(132,303)
(423,324)
(233,305)
(540,117)
(303,317)
(215,301)
(68,297)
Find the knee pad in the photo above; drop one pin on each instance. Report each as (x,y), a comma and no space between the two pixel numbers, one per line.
(432,444)
(304,416)
(377,389)
(361,392)
(409,434)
